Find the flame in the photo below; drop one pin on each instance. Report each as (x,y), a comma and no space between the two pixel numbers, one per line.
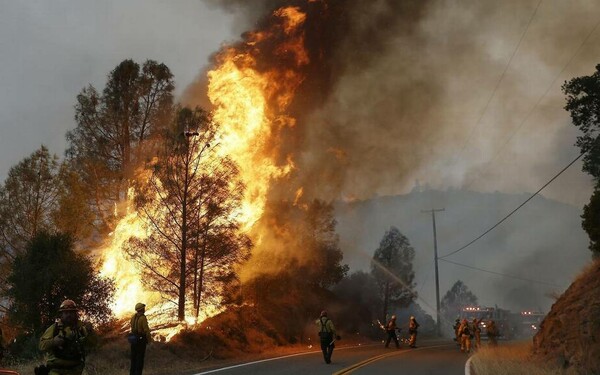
(241,96)
(250,107)
(115,265)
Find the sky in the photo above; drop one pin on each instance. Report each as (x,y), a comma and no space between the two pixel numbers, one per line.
(50,50)
(493,134)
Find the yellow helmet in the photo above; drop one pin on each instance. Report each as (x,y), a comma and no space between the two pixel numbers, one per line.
(139,306)
(68,305)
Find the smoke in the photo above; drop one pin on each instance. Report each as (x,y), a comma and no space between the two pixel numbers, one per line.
(396,92)
(399,93)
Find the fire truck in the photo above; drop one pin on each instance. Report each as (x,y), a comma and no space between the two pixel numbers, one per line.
(504,319)
(528,323)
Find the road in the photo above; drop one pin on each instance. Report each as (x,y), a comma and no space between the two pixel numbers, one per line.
(430,358)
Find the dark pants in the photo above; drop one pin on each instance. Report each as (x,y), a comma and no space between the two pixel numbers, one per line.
(327,349)
(392,335)
(138,352)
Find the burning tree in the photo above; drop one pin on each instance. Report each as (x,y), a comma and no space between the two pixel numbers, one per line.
(113,130)
(189,203)
(392,269)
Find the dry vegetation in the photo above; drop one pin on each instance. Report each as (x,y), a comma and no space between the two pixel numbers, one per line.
(513,359)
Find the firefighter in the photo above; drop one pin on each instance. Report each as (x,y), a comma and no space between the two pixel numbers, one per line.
(138,338)
(413,326)
(390,329)
(456,335)
(477,333)
(465,336)
(64,342)
(492,333)
(327,336)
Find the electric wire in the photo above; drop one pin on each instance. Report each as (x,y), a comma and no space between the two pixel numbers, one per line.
(501,274)
(478,123)
(537,103)
(516,209)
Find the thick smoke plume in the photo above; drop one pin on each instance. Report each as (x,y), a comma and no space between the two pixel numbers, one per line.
(398,90)
(399,93)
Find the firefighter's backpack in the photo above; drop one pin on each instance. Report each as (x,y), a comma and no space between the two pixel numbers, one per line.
(323,334)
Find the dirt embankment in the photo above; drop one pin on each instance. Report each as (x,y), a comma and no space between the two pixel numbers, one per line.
(570,333)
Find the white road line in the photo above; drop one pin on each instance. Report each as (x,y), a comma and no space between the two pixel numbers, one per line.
(276,358)
(468,366)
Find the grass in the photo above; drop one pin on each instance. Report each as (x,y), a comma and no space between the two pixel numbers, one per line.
(513,359)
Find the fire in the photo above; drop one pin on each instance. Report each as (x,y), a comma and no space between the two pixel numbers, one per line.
(250,108)
(242,97)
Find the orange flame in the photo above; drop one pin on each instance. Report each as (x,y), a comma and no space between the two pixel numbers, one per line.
(249,106)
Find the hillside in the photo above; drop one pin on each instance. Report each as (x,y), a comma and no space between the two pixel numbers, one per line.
(543,241)
(570,333)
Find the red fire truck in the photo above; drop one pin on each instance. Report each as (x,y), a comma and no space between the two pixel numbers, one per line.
(505,322)
(528,323)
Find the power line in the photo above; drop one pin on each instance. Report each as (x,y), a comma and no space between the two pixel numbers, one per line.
(516,209)
(500,274)
(538,102)
(478,123)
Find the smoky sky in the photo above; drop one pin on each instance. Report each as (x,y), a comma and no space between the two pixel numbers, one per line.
(406,94)
(51,50)
(412,91)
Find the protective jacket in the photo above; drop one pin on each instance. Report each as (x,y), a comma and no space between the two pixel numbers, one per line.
(139,326)
(70,356)
(326,329)
(391,325)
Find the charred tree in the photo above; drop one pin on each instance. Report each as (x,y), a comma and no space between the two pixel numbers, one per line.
(188,202)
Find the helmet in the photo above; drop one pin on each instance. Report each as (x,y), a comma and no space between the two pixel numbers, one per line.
(68,305)
(412,317)
(323,313)
(393,317)
(139,306)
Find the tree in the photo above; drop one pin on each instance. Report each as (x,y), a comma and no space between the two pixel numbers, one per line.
(73,214)
(189,203)
(583,103)
(591,222)
(319,236)
(359,294)
(50,271)
(457,297)
(114,131)
(299,262)
(392,269)
(28,200)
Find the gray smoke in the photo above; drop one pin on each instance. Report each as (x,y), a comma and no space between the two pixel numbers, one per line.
(402,96)
(401,91)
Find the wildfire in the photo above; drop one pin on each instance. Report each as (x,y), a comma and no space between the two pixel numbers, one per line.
(250,107)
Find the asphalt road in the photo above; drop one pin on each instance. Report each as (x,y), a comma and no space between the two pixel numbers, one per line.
(430,358)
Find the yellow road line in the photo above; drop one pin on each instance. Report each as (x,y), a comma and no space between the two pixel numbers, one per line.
(356,366)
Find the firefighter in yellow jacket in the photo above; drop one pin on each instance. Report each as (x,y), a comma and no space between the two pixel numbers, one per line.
(465,336)
(139,338)
(64,342)
(413,328)
(327,336)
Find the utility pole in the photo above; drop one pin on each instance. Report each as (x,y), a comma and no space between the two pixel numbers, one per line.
(435,258)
